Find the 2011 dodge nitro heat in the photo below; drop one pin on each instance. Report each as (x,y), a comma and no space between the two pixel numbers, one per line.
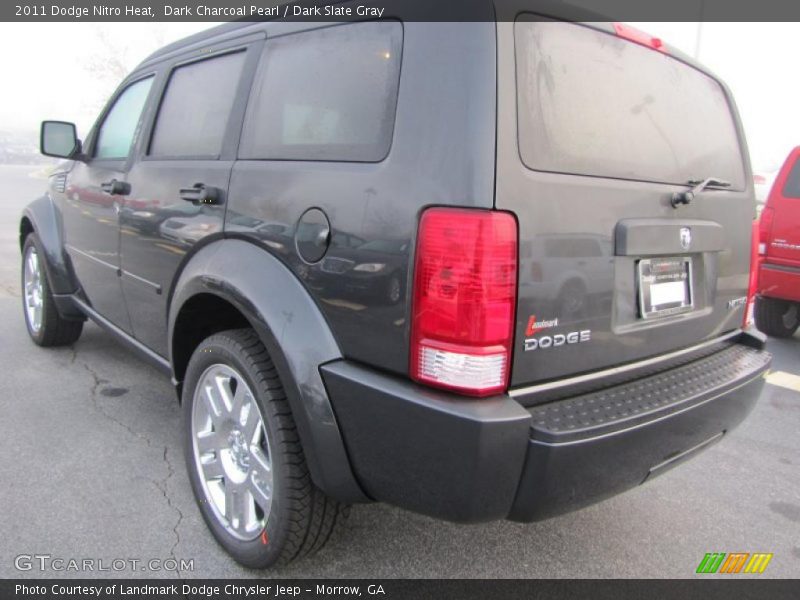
(504,281)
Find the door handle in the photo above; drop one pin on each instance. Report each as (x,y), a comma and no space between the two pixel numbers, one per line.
(116,188)
(201,193)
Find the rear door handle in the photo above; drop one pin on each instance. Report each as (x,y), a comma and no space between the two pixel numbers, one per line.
(201,193)
(116,188)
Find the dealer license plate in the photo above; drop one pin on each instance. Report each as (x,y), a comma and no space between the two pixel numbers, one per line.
(665,286)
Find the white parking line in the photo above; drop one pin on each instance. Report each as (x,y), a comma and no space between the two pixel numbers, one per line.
(785,380)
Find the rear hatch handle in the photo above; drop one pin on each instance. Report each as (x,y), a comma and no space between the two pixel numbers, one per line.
(686,197)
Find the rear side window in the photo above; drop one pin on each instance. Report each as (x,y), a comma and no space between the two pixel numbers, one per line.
(791,189)
(197,103)
(591,103)
(115,138)
(328,94)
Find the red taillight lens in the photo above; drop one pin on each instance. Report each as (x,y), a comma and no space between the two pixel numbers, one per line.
(765,229)
(465,285)
(640,37)
(753,283)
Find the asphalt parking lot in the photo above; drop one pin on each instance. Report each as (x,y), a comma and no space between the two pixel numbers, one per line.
(92,468)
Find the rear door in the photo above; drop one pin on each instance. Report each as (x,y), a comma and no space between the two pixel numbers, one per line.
(783,243)
(595,135)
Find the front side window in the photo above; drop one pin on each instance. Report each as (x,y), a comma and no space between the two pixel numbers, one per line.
(115,138)
(197,104)
(328,94)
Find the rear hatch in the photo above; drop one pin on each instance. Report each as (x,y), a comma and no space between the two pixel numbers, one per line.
(780,235)
(598,128)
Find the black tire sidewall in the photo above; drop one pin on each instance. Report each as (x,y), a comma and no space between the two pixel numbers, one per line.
(769,313)
(254,553)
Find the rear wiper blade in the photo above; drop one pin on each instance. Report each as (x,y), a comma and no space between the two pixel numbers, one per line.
(699,185)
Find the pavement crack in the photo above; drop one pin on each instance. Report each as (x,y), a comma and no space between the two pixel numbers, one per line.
(10,290)
(165,491)
(160,484)
(98,381)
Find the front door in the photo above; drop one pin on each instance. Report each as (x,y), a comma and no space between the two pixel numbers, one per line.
(96,190)
(179,181)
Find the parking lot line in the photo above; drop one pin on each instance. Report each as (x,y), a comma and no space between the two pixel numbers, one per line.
(786,380)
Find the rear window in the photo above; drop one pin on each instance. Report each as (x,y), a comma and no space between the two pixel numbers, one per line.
(791,189)
(328,94)
(591,103)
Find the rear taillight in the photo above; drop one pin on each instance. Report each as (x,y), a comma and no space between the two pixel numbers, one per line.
(639,37)
(765,229)
(464,298)
(753,282)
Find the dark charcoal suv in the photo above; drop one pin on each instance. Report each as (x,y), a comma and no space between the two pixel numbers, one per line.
(506,280)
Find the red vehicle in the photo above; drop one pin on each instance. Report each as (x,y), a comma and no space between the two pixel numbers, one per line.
(778,300)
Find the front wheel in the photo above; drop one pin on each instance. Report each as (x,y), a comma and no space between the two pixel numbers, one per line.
(244,457)
(777,318)
(45,326)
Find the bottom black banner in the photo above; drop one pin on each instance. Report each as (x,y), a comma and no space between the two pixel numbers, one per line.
(462,589)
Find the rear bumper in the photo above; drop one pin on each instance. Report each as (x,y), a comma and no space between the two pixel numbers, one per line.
(779,281)
(477,460)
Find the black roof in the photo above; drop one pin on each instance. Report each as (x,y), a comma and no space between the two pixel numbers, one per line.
(201,37)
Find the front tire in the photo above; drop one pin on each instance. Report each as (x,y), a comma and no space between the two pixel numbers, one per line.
(777,318)
(244,457)
(45,326)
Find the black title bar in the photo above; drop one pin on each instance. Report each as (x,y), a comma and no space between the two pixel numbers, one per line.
(408,10)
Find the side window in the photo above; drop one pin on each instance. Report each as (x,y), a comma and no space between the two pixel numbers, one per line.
(196,106)
(328,94)
(791,189)
(115,138)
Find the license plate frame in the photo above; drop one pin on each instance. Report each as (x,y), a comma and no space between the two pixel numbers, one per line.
(665,286)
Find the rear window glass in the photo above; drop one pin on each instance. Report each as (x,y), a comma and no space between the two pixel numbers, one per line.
(328,94)
(196,106)
(791,189)
(591,103)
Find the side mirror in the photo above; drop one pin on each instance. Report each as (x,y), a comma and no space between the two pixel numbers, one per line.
(59,139)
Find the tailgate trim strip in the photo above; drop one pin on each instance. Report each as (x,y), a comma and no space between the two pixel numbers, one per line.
(543,387)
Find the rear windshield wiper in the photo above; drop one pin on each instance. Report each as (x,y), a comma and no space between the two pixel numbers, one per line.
(699,185)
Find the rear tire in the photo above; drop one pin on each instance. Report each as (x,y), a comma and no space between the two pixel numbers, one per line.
(777,318)
(45,326)
(283,515)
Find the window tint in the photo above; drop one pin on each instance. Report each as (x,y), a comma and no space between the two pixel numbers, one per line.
(328,94)
(791,189)
(591,103)
(116,134)
(195,109)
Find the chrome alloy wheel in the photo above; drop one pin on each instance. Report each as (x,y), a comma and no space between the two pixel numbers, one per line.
(231,452)
(34,291)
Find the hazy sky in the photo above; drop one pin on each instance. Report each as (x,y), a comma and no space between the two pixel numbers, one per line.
(46,71)
(756,60)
